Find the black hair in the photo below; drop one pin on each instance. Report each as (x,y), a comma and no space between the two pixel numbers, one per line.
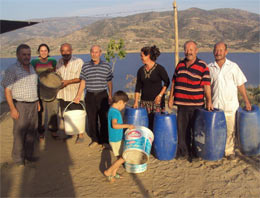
(153,51)
(22,46)
(45,45)
(120,95)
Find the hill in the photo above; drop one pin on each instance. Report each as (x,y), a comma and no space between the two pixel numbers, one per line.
(240,29)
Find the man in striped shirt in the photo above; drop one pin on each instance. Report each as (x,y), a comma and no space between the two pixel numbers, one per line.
(69,67)
(96,76)
(190,82)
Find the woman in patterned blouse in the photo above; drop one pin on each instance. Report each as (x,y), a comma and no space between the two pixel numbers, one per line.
(152,82)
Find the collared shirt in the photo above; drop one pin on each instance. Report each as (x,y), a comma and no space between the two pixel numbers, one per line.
(225,81)
(23,85)
(189,82)
(69,72)
(96,76)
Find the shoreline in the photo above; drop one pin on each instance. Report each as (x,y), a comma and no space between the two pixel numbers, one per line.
(201,50)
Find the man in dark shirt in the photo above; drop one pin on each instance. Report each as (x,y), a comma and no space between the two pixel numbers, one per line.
(191,80)
(96,76)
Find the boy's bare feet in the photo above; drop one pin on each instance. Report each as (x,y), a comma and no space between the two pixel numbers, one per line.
(109,177)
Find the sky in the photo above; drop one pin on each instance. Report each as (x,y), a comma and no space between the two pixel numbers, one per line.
(34,9)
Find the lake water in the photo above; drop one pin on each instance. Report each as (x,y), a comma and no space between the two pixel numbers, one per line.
(126,69)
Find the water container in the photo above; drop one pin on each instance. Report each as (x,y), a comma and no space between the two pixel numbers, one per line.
(49,83)
(165,136)
(137,145)
(210,133)
(248,126)
(137,117)
(135,168)
(74,120)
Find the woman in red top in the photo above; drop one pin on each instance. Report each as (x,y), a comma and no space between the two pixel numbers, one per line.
(43,63)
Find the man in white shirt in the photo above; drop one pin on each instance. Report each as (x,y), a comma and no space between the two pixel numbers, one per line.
(226,79)
(69,67)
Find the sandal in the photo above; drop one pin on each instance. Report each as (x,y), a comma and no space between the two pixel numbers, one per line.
(110,178)
(117,176)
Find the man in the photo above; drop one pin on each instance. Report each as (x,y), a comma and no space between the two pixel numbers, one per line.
(20,84)
(96,76)
(226,79)
(190,82)
(69,67)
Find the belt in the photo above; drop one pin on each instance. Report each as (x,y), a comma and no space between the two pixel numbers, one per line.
(25,101)
(96,92)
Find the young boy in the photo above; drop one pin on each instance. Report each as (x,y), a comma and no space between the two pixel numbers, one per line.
(115,132)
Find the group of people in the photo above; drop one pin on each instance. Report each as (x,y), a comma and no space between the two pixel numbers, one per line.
(194,85)
(218,82)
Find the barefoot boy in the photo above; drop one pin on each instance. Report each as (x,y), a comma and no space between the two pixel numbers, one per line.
(115,132)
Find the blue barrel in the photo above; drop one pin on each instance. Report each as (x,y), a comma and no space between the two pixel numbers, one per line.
(136,116)
(165,136)
(210,133)
(248,125)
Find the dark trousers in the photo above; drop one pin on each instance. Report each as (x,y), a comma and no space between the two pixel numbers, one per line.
(97,107)
(25,131)
(51,109)
(185,126)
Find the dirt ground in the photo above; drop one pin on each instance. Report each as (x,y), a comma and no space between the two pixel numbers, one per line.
(66,169)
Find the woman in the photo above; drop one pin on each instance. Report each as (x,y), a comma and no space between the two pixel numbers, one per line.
(41,64)
(149,83)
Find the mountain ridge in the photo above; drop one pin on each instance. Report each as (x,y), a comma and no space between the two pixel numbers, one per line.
(238,28)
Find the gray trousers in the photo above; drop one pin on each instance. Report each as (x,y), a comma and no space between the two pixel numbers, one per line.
(51,109)
(25,131)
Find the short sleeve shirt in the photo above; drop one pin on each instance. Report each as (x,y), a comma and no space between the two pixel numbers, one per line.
(189,82)
(23,85)
(96,76)
(115,135)
(224,83)
(69,72)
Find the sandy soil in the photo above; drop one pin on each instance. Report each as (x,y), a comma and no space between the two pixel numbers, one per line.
(66,169)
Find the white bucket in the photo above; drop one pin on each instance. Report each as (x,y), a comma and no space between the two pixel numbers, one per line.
(74,120)
(135,168)
(137,145)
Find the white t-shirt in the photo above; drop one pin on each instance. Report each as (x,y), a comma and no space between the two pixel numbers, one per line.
(224,83)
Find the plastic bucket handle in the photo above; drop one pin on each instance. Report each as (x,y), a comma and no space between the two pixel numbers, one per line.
(70,104)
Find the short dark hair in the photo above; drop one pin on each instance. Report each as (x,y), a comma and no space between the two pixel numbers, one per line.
(120,95)
(45,45)
(153,51)
(22,46)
